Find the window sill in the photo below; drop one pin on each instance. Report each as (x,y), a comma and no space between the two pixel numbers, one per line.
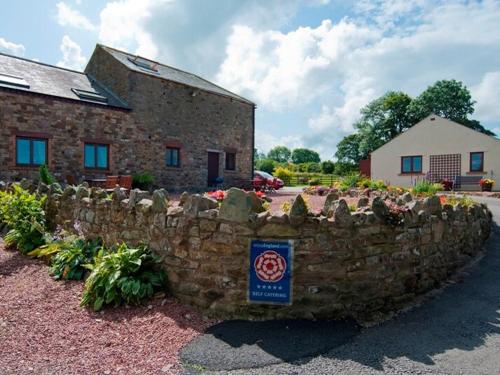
(170,168)
(25,167)
(230,170)
(411,174)
(97,170)
(473,173)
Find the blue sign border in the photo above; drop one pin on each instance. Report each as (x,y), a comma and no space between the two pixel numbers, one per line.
(280,292)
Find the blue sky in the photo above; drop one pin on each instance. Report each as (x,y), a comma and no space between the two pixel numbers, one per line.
(310,65)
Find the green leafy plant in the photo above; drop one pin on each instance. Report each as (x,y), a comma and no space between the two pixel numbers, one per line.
(47,251)
(68,263)
(143,181)
(23,213)
(45,175)
(427,188)
(314,181)
(122,275)
(350,181)
(465,200)
(283,174)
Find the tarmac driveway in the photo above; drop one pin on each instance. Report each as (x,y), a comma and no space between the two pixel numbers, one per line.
(455,332)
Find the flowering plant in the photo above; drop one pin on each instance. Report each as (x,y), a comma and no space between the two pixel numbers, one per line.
(486,182)
(447,184)
(218,195)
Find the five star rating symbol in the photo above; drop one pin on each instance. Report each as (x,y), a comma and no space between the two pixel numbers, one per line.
(269,287)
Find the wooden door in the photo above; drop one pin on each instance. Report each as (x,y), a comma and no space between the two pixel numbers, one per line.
(213,167)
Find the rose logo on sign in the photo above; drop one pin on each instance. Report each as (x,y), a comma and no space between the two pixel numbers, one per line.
(270,266)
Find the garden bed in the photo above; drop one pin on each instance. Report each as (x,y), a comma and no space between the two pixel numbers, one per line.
(43,330)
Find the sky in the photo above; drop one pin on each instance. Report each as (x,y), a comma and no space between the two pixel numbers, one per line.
(309,65)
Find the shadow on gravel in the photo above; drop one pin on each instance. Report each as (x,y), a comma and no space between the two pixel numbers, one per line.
(241,344)
(460,317)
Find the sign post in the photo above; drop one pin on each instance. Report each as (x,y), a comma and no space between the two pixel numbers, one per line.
(270,273)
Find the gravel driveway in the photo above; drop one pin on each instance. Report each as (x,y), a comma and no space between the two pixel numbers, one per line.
(43,330)
(455,332)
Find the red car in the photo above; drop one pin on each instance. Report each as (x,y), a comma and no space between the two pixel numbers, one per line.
(265,181)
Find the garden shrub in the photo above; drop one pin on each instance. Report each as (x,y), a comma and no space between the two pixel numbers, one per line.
(427,188)
(122,275)
(283,174)
(315,181)
(465,200)
(68,263)
(266,165)
(23,213)
(45,175)
(143,181)
(327,167)
(350,181)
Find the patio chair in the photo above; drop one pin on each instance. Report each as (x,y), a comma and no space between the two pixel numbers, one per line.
(71,180)
(125,182)
(111,182)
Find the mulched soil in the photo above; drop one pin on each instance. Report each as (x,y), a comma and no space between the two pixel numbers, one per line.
(43,330)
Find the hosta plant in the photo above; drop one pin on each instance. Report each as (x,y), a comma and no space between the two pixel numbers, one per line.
(122,275)
(68,263)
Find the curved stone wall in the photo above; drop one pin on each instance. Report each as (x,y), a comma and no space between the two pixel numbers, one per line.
(362,265)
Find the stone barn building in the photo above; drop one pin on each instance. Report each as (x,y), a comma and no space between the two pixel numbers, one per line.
(123,115)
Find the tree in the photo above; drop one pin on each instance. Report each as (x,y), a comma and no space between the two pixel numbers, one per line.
(281,154)
(327,167)
(313,167)
(266,165)
(348,149)
(258,155)
(345,168)
(304,155)
(450,99)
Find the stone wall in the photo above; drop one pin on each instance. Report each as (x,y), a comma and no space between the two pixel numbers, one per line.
(363,265)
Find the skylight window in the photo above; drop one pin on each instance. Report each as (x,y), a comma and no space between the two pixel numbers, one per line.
(7,79)
(90,96)
(144,64)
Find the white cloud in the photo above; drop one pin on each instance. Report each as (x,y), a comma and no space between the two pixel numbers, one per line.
(72,55)
(123,25)
(266,141)
(11,48)
(70,17)
(487,95)
(343,66)
(281,70)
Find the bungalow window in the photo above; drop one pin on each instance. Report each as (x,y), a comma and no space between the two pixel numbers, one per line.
(172,157)
(230,161)
(96,156)
(411,164)
(477,161)
(31,152)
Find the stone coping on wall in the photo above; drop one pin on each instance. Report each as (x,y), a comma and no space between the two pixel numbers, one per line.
(364,264)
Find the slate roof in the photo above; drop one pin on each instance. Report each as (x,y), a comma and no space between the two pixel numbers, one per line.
(171,74)
(54,81)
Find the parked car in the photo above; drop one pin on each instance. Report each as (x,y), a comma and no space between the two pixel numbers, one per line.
(265,181)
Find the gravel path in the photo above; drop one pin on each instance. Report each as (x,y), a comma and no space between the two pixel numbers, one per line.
(457,332)
(44,331)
